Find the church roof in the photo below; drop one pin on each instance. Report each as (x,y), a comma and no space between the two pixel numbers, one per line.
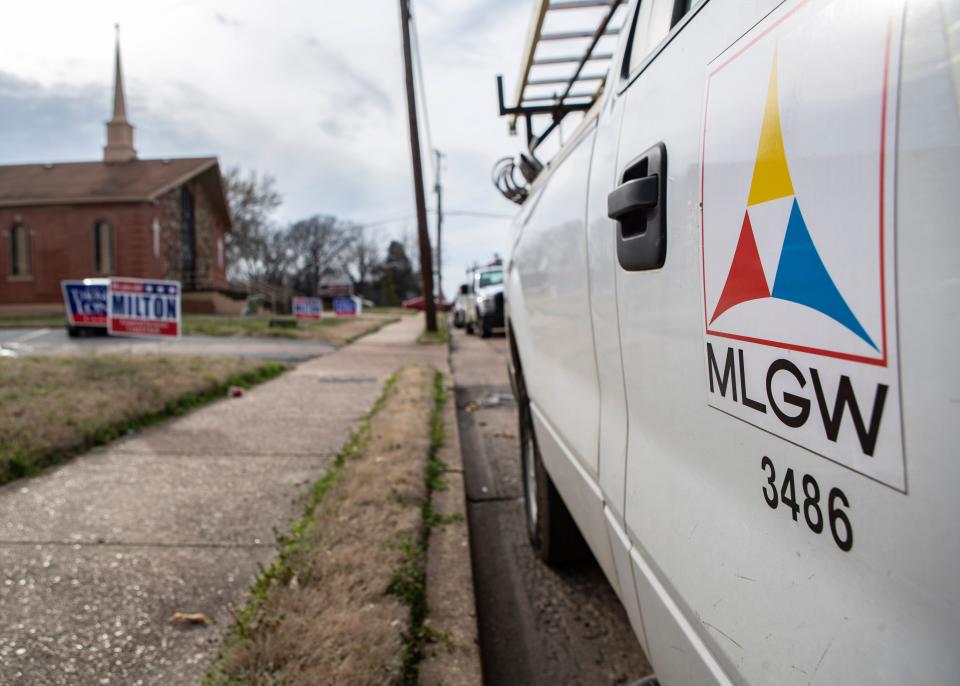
(69,183)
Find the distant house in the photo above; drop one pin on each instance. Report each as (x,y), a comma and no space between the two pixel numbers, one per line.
(336,288)
(164,218)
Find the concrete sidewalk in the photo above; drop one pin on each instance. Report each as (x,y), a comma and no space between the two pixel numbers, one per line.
(96,555)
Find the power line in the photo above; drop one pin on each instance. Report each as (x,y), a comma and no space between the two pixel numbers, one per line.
(471,213)
(446,213)
(391,220)
(422,92)
(438,188)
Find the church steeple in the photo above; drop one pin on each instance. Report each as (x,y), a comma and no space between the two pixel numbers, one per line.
(119,146)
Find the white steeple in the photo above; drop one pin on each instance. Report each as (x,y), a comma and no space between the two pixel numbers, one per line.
(119,146)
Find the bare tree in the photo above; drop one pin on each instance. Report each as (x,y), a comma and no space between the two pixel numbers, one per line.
(316,245)
(276,262)
(360,258)
(411,247)
(253,200)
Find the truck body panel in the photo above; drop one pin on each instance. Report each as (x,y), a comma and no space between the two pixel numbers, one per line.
(773,507)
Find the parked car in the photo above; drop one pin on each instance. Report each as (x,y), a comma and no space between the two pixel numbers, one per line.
(417,304)
(732,307)
(484,308)
(460,306)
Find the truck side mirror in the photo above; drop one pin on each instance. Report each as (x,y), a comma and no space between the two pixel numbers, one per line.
(464,289)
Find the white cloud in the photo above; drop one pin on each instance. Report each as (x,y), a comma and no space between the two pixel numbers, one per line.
(309,91)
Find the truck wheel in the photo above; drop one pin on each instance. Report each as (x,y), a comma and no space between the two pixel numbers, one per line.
(485,329)
(72,331)
(470,328)
(551,529)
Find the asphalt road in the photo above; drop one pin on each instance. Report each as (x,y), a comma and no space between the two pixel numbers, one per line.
(537,625)
(55,341)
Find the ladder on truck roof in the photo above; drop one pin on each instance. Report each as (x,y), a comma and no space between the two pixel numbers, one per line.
(563,34)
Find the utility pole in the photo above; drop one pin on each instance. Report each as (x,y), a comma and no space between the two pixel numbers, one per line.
(426,259)
(439,190)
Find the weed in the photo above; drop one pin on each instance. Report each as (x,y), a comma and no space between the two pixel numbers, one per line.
(371,330)
(436,520)
(410,579)
(439,337)
(21,466)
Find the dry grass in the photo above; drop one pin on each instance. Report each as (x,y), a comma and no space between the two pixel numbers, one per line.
(51,407)
(392,311)
(439,337)
(31,322)
(337,331)
(332,610)
(330,330)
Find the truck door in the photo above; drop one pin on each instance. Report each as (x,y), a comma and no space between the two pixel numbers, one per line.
(550,261)
(775,535)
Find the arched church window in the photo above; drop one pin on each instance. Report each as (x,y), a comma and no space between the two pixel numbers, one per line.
(19,250)
(103,248)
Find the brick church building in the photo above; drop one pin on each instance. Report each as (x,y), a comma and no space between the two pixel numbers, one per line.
(161,218)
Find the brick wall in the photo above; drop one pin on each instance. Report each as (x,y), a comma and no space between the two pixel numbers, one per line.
(62,244)
(62,247)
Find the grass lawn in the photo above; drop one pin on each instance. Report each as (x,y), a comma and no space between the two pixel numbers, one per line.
(330,330)
(392,311)
(337,331)
(54,407)
(46,320)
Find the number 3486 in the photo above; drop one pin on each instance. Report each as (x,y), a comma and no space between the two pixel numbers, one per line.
(836,503)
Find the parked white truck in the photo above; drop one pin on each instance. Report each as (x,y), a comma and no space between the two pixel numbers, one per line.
(733,306)
(484,310)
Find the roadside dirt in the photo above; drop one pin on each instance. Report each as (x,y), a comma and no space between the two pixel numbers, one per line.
(335,619)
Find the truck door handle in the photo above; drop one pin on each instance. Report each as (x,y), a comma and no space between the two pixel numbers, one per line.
(639,206)
(638,194)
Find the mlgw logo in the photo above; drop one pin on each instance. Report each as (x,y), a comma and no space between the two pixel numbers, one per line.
(797,268)
(792,409)
(801,276)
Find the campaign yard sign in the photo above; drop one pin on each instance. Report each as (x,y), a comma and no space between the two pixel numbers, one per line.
(346,307)
(86,302)
(143,307)
(307,308)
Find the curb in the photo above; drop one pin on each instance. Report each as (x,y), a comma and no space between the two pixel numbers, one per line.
(454,658)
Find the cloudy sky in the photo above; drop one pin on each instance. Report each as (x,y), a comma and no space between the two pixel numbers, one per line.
(309,91)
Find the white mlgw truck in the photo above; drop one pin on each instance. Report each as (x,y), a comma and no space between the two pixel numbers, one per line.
(733,309)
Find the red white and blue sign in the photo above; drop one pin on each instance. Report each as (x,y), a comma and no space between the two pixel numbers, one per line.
(346,307)
(86,302)
(797,232)
(143,307)
(307,308)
